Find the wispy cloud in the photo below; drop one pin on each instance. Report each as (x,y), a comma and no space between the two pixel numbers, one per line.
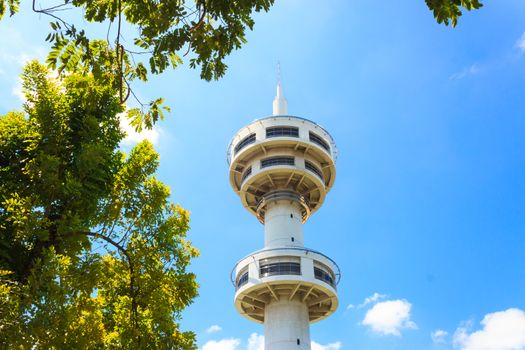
(469,71)
(223,344)
(520,44)
(16,52)
(439,336)
(372,299)
(18,91)
(213,329)
(256,342)
(332,346)
(368,300)
(503,330)
(389,317)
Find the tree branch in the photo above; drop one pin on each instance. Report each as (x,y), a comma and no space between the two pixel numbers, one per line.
(201,19)
(131,270)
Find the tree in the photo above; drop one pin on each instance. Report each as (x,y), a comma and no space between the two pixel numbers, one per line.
(449,11)
(204,31)
(92,253)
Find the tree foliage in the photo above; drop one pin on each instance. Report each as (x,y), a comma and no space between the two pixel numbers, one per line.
(164,32)
(92,252)
(449,11)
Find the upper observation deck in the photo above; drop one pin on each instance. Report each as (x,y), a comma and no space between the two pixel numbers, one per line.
(282,154)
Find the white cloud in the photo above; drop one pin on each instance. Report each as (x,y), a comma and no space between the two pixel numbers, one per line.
(18,91)
(503,330)
(256,342)
(214,329)
(438,336)
(331,346)
(389,317)
(471,70)
(368,300)
(223,344)
(372,299)
(520,44)
(133,137)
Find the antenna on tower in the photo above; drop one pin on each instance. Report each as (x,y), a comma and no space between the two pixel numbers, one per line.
(280,106)
(279,72)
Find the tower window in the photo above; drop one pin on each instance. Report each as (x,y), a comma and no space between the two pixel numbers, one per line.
(319,140)
(242,280)
(293,239)
(310,166)
(244,142)
(298,341)
(247,173)
(277,161)
(280,268)
(279,131)
(324,276)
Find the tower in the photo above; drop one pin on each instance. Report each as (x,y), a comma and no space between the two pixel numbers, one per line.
(282,167)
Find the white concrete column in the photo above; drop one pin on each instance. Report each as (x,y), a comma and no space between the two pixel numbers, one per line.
(283,224)
(286,326)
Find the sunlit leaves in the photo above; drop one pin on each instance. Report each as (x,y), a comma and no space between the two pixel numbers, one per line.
(12,5)
(449,11)
(166,32)
(64,186)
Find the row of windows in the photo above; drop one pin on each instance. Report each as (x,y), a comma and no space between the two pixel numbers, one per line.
(280,131)
(318,140)
(324,276)
(283,160)
(245,142)
(277,161)
(310,166)
(242,280)
(281,268)
(286,268)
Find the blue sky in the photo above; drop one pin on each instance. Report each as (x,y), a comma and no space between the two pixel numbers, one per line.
(427,215)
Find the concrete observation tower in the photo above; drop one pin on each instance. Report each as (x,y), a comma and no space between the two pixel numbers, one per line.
(282,167)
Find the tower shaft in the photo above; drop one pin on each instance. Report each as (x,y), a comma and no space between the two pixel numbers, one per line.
(283,224)
(286,326)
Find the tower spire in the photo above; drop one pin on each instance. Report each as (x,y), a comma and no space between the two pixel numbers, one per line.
(280,105)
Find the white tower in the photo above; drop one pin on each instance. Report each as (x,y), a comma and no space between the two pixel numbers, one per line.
(282,167)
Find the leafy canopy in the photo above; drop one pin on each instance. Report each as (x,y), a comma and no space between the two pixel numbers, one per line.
(449,11)
(162,34)
(145,37)
(92,252)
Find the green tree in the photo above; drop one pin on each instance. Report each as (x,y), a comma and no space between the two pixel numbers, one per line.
(202,31)
(92,252)
(449,11)
(163,33)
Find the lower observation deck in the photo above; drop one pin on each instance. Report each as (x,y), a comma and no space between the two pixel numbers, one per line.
(286,274)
